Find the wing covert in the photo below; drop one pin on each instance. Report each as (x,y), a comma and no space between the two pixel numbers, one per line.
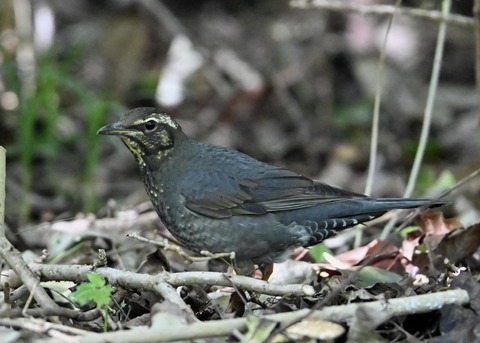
(216,194)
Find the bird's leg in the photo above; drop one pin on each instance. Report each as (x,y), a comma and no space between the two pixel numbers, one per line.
(243,267)
(266,269)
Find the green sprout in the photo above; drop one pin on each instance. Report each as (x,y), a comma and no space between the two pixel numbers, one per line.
(95,290)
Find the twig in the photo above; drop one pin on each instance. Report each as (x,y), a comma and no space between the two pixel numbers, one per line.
(26,63)
(40,325)
(427,118)
(432,92)
(173,332)
(168,292)
(367,261)
(132,280)
(26,277)
(388,240)
(341,5)
(376,108)
(29,301)
(54,311)
(375,121)
(459,184)
(14,259)
(167,245)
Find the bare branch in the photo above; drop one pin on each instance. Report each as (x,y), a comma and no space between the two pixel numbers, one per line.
(174,331)
(77,273)
(340,5)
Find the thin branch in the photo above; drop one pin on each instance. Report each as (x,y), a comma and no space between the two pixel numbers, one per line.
(168,293)
(167,245)
(375,122)
(341,5)
(427,118)
(26,61)
(77,273)
(25,275)
(14,259)
(376,108)
(432,92)
(459,184)
(41,326)
(175,331)
(58,311)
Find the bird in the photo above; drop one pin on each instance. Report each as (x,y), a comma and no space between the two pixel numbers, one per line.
(220,200)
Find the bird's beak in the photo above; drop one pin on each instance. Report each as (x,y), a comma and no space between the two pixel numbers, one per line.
(115,129)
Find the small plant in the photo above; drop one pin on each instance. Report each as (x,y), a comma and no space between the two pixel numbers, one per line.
(95,290)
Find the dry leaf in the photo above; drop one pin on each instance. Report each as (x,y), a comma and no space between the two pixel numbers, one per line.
(456,246)
(433,222)
(311,328)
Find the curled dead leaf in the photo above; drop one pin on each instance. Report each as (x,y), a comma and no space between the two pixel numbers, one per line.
(311,328)
(456,246)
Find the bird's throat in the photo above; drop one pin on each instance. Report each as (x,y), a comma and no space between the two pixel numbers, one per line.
(144,160)
(136,151)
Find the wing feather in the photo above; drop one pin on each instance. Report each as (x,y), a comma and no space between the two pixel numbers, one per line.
(248,187)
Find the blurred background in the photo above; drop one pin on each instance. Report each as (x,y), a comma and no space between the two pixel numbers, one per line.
(289,86)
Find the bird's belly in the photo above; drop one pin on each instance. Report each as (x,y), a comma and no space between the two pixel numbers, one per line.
(256,238)
(259,238)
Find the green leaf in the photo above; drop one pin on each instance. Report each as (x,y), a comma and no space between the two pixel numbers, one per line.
(95,290)
(258,329)
(369,276)
(405,231)
(317,252)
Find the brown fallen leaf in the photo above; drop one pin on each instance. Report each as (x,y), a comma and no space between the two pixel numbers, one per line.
(433,222)
(356,256)
(456,246)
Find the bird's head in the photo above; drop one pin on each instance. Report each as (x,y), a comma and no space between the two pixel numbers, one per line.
(147,132)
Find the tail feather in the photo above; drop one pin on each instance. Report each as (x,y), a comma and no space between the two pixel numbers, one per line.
(387,204)
(339,215)
(353,212)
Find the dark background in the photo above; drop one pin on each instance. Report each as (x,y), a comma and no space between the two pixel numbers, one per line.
(293,87)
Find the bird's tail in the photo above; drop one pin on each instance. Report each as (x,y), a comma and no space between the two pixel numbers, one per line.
(342,215)
(387,204)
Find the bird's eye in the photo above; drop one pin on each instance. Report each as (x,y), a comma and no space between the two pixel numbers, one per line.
(150,125)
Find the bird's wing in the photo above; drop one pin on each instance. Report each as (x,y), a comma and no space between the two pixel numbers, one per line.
(216,194)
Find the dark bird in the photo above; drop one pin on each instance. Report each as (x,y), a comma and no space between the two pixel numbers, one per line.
(220,200)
